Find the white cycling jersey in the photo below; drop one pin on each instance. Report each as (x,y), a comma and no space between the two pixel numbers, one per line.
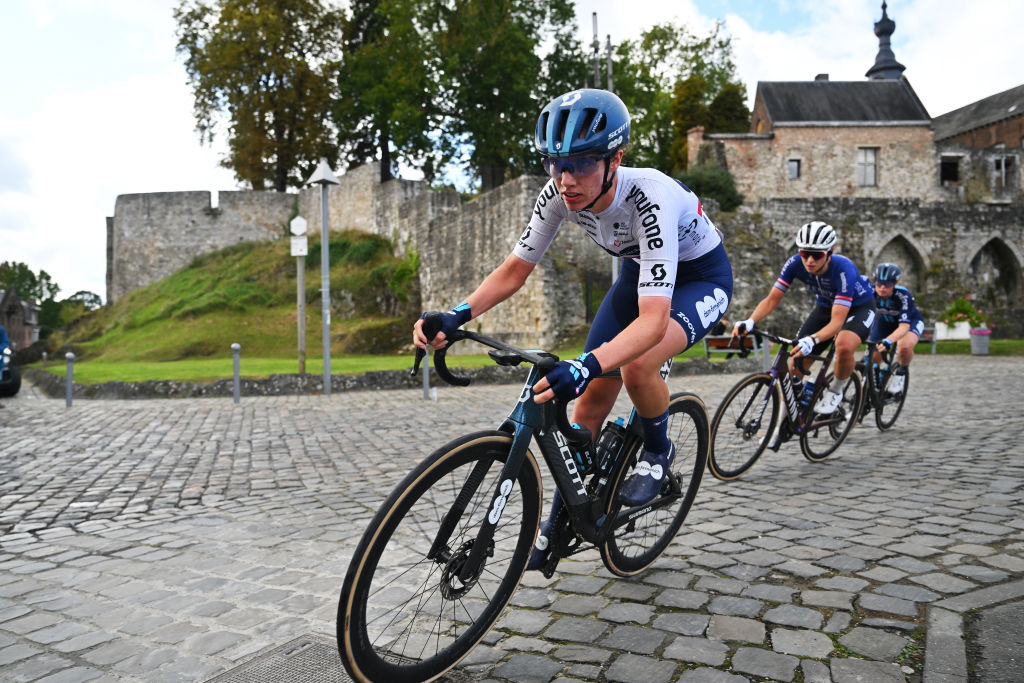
(653,217)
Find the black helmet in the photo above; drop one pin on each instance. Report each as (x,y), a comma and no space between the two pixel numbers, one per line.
(582,122)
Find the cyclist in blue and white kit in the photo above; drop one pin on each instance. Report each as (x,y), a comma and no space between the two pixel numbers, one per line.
(845,306)
(675,281)
(898,321)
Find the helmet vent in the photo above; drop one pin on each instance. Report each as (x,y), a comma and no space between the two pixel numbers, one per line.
(542,129)
(589,115)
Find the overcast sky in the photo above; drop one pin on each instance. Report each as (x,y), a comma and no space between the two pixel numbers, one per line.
(95,103)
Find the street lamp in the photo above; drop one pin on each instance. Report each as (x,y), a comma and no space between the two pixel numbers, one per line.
(299,250)
(324,176)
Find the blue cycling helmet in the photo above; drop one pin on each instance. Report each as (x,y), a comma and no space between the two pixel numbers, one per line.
(585,121)
(888,272)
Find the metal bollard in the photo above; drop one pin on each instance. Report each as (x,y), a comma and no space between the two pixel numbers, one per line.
(426,376)
(70,375)
(236,349)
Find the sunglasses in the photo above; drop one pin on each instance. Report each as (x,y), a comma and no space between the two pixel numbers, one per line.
(579,167)
(883,283)
(812,254)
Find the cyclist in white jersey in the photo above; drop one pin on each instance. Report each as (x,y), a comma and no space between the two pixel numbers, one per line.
(675,282)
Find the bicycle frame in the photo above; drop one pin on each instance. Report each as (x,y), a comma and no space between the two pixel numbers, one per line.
(881,370)
(568,451)
(800,419)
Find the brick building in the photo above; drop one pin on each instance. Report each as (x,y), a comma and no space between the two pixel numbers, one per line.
(871,139)
(983,143)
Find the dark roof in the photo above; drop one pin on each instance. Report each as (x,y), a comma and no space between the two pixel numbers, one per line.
(824,101)
(994,108)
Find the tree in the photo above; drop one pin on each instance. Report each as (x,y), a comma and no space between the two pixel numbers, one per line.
(21,278)
(647,72)
(688,110)
(711,180)
(268,67)
(491,76)
(728,111)
(385,109)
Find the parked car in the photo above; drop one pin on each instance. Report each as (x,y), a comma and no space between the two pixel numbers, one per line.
(10,376)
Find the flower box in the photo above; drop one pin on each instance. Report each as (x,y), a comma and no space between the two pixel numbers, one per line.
(960,330)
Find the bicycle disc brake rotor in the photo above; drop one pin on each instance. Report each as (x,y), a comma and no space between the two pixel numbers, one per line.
(452,587)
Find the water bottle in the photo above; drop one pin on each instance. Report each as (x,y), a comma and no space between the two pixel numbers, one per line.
(805,396)
(609,443)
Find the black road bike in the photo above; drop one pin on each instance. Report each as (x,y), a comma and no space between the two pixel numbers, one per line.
(444,553)
(748,415)
(877,377)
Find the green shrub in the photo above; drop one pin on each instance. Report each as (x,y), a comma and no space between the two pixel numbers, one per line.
(713,181)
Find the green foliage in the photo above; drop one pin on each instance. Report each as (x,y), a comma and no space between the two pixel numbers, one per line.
(646,74)
(41,288)
(354,248)
(267,68)
(712,180)
(486,53)
(384,109)
(28,284)
(728,111)
(962,310)
(245,293)
(688,110)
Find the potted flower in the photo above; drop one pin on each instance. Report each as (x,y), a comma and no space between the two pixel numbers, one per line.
(963,321)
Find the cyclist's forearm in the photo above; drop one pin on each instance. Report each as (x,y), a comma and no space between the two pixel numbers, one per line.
(835,323)
(900,332)
(766,305)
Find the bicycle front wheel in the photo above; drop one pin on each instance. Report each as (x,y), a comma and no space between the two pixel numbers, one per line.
(410,607)
(888,406)
(742,425)
(633,547)
(825,433)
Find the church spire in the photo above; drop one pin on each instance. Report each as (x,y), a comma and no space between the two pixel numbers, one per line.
(886,66)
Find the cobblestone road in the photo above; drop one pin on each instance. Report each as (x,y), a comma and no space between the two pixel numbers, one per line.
(177,540)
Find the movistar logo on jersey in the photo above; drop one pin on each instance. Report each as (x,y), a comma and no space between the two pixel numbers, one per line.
(647,213)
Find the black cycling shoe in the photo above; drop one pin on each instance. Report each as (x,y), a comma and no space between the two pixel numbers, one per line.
(648,475)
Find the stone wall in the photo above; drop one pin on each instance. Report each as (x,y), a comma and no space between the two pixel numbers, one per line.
(944,247)
(153,235)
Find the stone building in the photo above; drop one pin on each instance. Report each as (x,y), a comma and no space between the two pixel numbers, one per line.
(980,147)
(20,317)
(901,186)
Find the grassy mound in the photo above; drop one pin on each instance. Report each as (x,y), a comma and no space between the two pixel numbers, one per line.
(247,294)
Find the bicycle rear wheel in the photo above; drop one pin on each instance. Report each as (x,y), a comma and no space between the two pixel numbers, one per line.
(889,406)
(825,433)
(740,430)
(633,547)
(406,616)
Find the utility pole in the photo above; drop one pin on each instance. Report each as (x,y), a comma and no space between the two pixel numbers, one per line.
(324,176)
(597,55)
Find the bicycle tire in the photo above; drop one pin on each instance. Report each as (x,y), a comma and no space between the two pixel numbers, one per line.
(819,442)
(887,407)
(633,547)
(404,617)
(730,452)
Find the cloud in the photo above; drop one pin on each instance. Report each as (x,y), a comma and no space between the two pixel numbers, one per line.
(131,136)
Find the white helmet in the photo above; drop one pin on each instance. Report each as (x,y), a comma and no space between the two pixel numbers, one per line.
(816,235)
